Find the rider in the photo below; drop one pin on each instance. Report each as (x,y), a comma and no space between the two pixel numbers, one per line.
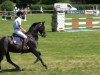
(18,29)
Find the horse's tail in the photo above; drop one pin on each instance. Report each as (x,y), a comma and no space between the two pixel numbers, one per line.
(6,44)
(3,45)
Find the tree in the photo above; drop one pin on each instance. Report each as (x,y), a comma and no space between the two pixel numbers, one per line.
(86,1)
(2,1)
(30,1)
(54,1)
(8,5)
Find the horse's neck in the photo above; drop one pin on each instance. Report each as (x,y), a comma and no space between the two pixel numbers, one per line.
(34,32)
(34,35)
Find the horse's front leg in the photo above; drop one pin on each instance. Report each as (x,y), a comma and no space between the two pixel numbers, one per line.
(37,58)
(9,60)
(36,53)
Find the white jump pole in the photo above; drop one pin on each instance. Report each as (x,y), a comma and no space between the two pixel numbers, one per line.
(60,21)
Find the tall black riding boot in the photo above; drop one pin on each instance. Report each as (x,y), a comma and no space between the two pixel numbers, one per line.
(24,44)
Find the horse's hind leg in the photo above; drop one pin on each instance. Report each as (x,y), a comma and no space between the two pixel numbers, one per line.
(39,58)
(9,60)
(1,58)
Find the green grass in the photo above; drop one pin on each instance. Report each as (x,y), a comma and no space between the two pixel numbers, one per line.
(66,53)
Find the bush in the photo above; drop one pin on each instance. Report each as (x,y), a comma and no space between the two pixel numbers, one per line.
(0,6)
(8,5)
(86,6)
(45,7)
(35,7)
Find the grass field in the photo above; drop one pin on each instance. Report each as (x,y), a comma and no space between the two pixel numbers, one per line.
(66,53)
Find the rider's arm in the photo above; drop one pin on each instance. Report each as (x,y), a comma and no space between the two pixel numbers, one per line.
(22,29)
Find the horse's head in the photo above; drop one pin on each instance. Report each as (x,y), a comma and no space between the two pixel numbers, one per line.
(38,27)
(41,29)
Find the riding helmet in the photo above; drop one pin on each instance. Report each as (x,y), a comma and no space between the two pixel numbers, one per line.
(19,13)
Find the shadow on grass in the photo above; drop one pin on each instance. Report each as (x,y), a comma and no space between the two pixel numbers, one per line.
(11,70)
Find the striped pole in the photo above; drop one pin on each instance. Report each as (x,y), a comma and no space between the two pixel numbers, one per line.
(77,25)
(82,23)
(95,27)
(82,18)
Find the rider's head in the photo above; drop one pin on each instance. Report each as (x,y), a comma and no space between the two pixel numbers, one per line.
(19,13)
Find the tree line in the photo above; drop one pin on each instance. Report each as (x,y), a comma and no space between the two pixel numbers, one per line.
(54,1)
(36,1)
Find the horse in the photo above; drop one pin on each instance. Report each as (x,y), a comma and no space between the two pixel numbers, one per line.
(7,45)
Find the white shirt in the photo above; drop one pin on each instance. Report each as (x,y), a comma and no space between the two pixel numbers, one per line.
(17,24)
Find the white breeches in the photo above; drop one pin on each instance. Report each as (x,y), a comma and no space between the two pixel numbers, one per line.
(21,34)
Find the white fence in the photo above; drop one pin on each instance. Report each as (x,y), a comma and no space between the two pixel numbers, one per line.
(62,24)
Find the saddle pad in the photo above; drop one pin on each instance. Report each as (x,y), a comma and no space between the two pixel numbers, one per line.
(17,40)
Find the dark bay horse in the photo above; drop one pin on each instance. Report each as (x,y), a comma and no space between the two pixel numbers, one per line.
(7,46)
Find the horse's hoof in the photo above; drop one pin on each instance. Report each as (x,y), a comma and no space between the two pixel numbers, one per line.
(36,61)
(46,67)
(0,70)
(19,69)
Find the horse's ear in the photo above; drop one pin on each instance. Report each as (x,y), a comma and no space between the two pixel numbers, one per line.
(43,21)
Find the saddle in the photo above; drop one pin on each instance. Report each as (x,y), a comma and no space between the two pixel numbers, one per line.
(18,41)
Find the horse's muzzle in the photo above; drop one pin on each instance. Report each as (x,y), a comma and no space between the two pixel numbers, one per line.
(43,35)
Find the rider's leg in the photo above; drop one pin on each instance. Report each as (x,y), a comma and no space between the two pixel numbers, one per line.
(24,44)
(21,34)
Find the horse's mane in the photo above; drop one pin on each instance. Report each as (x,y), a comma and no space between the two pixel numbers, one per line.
(33,25)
